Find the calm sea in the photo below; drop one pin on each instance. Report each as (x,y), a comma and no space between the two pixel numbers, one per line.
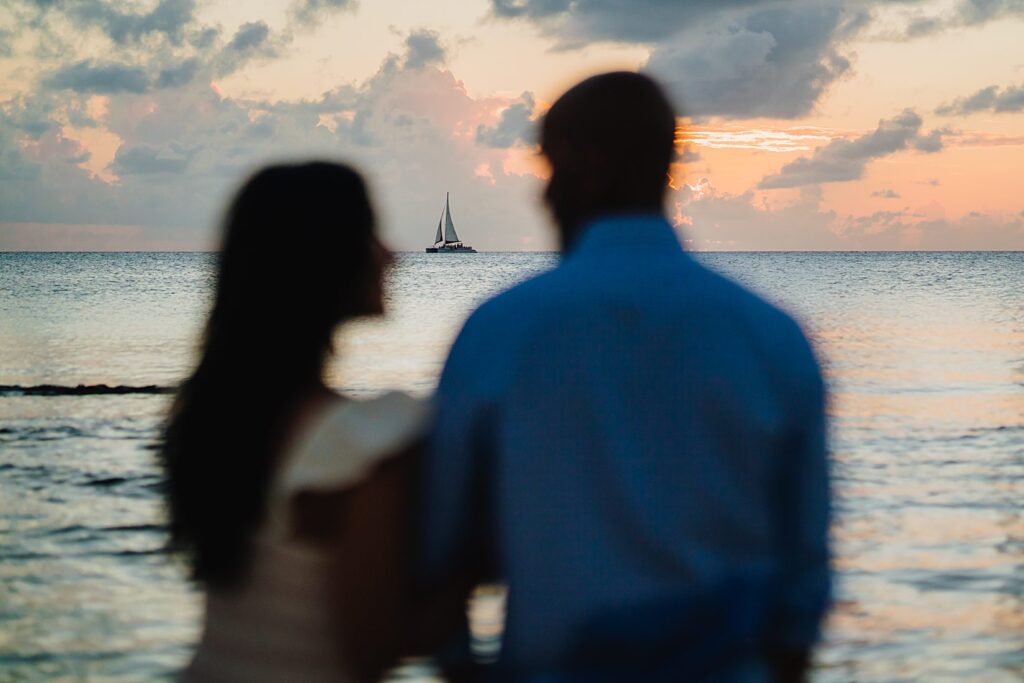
(924,354)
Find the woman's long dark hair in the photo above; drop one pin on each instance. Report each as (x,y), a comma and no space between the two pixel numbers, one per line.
(299,256)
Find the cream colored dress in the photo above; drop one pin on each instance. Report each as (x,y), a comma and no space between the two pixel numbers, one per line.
(278,625)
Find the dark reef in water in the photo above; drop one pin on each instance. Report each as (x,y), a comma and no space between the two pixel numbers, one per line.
(81,390)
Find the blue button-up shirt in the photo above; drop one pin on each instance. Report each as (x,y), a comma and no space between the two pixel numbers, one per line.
(638,446)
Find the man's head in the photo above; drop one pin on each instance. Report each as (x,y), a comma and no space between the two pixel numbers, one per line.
(609,140)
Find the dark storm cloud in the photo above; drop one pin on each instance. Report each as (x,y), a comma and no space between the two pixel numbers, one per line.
(515,127)
(842,160)
(1010,99)
(423,48)
(101,78)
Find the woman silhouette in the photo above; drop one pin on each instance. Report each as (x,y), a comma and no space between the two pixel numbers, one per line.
(288,500)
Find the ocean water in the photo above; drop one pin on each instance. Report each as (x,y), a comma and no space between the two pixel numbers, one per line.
(924,357)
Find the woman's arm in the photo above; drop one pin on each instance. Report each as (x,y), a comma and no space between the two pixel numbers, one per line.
(367,530)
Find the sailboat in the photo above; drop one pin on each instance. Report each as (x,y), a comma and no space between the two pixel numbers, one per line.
(448,242)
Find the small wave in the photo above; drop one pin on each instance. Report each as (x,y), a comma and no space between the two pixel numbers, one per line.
(81,390)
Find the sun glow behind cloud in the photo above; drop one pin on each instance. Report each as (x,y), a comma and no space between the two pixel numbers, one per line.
(783,140)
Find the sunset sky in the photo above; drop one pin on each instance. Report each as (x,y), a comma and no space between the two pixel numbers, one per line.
(880,124)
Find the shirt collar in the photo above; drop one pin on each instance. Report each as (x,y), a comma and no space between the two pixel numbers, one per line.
(625,233)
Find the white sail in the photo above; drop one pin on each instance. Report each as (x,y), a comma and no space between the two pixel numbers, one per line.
(447,241)
(449,227)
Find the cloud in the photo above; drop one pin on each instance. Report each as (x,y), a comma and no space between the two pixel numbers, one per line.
(730,58)
(734,58)
(931,142)
(886,194)
(968,233)
(1009,99)
(738,58)
(6,42)
(973,12)
(311,12)
(714,221)
(145,159)
(169,17)
(842,160)
(966,13)
(14,164)
(576,22)
(251,40)
(163,47)
(178,75)
(515,127)
(182,151)
(104,78)
(249,36)
(29,115)
(978,138)
(687,153)
(423,48)
(71,237)
(775,62)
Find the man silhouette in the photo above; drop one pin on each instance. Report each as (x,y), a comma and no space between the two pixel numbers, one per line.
(635,445)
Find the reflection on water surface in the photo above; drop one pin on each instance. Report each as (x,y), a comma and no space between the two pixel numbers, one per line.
(924,355)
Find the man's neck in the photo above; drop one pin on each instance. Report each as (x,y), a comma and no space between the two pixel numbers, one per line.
(570,234)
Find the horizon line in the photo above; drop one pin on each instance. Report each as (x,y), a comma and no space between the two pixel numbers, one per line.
(550,251)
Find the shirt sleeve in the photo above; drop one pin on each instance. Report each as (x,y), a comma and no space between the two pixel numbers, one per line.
(805,500)
(454,480)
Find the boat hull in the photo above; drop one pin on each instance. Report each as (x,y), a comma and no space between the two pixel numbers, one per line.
(451,250)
